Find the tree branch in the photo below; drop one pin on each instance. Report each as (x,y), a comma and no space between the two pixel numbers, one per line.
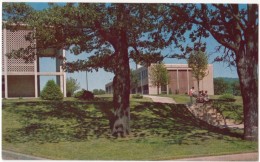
(221,38)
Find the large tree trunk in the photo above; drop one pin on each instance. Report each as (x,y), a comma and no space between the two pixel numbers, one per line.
(247,65)
(121,85)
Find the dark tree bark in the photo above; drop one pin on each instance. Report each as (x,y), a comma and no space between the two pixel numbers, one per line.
(121,85)
(247,72)
(247,64)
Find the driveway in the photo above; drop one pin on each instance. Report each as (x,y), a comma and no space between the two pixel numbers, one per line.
(233,157)
(10,155)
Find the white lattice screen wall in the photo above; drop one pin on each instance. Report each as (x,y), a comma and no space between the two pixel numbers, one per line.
(16,40)
(3,61)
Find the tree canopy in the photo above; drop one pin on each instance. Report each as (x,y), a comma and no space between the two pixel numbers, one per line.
(90,28)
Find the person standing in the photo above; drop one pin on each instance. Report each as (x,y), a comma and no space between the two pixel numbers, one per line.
(191,92)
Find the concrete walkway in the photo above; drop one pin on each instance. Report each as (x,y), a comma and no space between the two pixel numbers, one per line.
(10,155)
(161,99)
(233,157)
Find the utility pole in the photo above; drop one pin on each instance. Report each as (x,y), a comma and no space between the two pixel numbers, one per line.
(87,79)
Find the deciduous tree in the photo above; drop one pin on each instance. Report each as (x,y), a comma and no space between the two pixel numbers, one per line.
(198,62)
(71,86)
(134,80)
(220,86)
(158,75)
(114,33)
(235,28)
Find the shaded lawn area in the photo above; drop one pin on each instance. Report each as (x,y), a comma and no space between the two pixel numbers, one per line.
(79,130)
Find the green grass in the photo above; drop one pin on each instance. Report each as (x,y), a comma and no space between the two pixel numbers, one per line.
(79,130)
(233,110)
(178,98)
(181,98)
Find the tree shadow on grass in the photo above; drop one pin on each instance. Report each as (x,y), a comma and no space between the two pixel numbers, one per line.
(59,121)
(175,123)
(79,121)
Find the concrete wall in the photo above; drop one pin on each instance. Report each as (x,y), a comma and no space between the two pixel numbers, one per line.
(109,88)
(181,80)
(207,83)
(21,86)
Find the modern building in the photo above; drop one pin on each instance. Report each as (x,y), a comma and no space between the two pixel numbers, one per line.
(20,78)
(181,80)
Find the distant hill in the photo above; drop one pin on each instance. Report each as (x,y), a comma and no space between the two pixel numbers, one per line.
(229,80)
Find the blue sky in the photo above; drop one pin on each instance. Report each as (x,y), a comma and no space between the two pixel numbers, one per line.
(97,80)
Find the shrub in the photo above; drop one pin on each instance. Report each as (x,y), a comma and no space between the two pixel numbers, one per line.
(78,94)
(137,96)
(51,91)
(228,97)
(99,91)
(84,95)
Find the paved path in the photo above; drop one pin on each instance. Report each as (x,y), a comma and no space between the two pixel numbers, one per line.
(161,99)
(233,157)
(10,155)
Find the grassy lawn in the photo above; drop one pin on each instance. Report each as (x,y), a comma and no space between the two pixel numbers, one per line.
(178,98)
(181,98)
(80,130)
(233,110)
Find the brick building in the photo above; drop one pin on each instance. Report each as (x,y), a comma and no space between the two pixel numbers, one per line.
(20,78)
(181,80)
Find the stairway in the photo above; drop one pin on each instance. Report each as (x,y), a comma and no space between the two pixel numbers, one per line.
(206,112)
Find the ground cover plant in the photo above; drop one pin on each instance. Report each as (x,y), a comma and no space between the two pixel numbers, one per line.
(81,130)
